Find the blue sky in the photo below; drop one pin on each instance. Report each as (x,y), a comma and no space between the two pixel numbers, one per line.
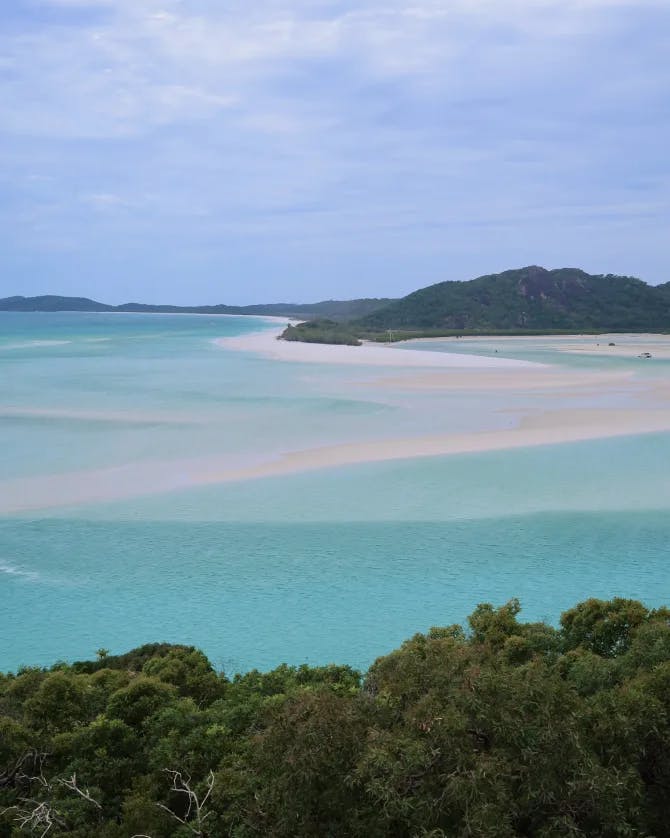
(200,151)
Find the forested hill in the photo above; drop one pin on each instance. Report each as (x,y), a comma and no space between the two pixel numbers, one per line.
(530,298)
(333,309)
(51,302)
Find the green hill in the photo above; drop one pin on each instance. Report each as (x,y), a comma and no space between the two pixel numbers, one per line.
(530,299)
(331,309)
(663,292)
(51,302)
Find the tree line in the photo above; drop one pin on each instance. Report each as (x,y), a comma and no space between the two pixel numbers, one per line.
(500,728)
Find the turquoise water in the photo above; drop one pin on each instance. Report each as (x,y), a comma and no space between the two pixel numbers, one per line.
(332,565)
(258,594)
(542,350)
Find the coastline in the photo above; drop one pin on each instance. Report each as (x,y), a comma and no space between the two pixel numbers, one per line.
(266,344)
(609,404)
(613,344)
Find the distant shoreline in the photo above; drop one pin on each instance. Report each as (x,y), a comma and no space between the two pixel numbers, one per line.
(276,318)
(271,317)
(611,344)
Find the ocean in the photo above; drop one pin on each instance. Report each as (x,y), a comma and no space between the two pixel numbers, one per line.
(107,538)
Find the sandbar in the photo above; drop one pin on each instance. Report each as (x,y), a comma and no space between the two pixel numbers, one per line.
(265,343)
(630,345)
(535,381)
(630,407)
(550,427)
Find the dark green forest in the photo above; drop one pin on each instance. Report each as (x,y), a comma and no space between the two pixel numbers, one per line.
(500,728)
(531,298)
(527,301)
(321,331)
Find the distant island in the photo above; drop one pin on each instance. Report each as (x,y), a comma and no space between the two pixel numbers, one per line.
(524,301)
(336,309)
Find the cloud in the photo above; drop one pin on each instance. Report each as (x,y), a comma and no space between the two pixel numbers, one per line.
(155,63)
(332,126)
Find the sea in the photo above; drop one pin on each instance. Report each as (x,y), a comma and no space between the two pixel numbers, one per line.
(334,565)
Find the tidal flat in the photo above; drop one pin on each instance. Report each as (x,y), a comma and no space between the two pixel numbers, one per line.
(163,478)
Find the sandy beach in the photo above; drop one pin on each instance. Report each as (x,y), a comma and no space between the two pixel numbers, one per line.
(606,345)
(369,354)
(625,347)
(548,405)
(452,371)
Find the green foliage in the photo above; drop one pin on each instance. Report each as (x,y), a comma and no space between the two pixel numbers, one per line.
(140,700)
(61,700)
(321,331)
(605,628)
(505,728)
(190,672)
(528,300)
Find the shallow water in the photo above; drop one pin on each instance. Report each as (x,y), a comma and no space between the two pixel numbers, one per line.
(336,565)
(253,595)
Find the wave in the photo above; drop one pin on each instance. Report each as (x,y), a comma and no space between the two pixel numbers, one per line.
(13,570)
(34,344)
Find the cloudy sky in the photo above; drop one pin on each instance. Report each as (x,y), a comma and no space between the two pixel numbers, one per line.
(198,151)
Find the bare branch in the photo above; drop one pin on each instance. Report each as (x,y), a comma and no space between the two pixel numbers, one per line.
(72,785)
(16,772)
(195,815)
(41,815)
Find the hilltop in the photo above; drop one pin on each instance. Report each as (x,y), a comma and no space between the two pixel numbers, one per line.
(51,302)
(530,299)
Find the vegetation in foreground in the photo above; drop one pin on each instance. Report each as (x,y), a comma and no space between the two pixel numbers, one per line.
(503,729)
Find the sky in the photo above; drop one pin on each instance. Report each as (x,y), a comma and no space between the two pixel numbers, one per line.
(206,151)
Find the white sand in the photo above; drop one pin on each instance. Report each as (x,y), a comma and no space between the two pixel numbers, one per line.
(547,428)
(625,345)
(541,379)
(377,355)
(137,479)
(623,348)
(647,411)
